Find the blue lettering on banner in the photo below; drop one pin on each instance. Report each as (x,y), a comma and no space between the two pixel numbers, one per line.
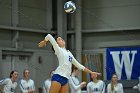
(125,62)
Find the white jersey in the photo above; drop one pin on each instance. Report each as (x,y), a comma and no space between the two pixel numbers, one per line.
(25,86)
(117,89)
(137,86)
(65,59)
(46,86)
(9,86)
(74,84)
(98,87)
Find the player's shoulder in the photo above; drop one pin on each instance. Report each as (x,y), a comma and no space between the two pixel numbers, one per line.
(101,81)
(90,83)
(31,81)
(6,79)
(119,84)
(47,80)
(69,52)
(22,80)
(109,85)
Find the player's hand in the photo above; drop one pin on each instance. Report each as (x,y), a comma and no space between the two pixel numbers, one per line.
(83,84)
(31,91)
(42,43)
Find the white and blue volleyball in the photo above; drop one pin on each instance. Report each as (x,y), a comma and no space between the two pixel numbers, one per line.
(69,7)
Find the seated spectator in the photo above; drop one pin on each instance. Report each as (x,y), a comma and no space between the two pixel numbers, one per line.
(114,86)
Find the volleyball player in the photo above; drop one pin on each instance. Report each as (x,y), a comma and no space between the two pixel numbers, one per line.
(114,86)
(75,84)
(27,84)
(59,82)
(95,85)
(10,84)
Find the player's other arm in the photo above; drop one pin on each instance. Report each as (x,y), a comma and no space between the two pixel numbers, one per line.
(73,86)
(81,67)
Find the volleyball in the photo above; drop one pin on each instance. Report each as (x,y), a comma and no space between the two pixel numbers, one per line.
(69,7)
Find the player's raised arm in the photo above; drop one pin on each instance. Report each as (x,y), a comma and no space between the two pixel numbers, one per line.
(50,38)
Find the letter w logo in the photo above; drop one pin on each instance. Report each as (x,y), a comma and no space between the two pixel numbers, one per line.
(128,64)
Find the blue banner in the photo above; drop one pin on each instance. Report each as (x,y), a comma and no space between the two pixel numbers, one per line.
(125,62)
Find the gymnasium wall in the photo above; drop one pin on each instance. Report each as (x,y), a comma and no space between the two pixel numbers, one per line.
(110,14)
(5,16)
(31,13)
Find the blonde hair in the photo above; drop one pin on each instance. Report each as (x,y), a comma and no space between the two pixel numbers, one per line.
(112,84)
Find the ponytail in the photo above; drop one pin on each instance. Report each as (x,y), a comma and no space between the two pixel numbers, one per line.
(112,83)
(112,86)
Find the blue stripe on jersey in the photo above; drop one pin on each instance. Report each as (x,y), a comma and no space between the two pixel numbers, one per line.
(103,86)
(45,86)
(2,81)
(21,84)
